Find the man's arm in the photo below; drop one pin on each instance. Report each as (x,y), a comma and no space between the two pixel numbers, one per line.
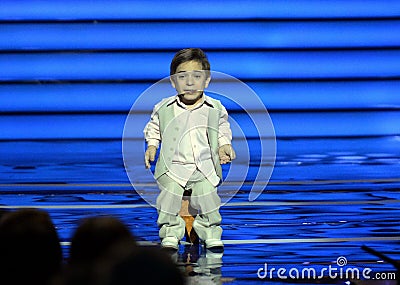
(226,152)
(153,137)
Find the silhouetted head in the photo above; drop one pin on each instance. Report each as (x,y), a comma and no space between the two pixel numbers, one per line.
(30,250)
(95,235)
(143,265)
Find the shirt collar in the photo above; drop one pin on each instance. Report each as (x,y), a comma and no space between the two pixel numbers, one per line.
(206,100)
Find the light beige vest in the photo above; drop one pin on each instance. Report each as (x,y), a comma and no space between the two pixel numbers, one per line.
(170,133)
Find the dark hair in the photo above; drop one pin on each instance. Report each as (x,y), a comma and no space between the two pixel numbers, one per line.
(92,239)
(95,235)
(126,265)
(30,250)
(189,54)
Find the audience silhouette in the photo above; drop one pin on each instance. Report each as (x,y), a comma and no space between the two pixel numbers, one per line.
(124,265)
(103,251)
(30,250)
(92,239)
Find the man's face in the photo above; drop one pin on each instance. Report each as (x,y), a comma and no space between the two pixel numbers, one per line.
(190,81)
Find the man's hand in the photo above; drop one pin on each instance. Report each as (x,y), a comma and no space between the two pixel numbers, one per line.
(226,154)
(150,155)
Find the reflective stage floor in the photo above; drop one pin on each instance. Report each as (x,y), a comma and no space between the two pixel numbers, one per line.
(326,198)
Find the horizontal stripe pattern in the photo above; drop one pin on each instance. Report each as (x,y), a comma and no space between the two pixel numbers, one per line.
(69,65)
(123,9)
(225,35)
(257,65)
(105,126)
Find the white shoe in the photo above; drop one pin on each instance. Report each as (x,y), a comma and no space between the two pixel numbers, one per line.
(213,243)
(170,242)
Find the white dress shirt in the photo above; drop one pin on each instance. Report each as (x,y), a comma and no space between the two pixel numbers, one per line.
(192,150)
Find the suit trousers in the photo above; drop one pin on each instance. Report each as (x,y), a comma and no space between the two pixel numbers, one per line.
(204,199)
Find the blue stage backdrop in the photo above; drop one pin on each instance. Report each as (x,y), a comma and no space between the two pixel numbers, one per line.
(72,69)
